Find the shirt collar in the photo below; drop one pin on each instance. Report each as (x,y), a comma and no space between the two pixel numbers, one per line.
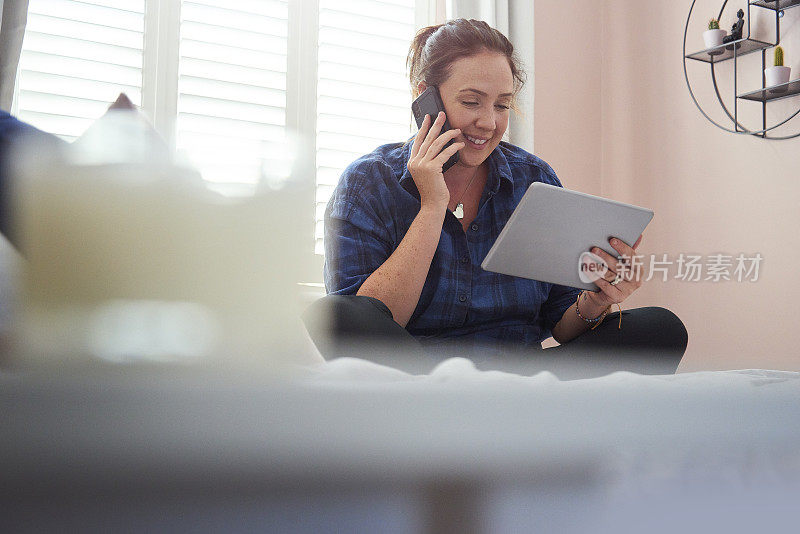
(499,170)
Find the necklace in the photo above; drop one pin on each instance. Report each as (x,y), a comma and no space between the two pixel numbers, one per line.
(459,211)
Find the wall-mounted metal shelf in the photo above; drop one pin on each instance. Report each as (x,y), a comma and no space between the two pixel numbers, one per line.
(734,50)
(776,92)
(726,51)
(776,5)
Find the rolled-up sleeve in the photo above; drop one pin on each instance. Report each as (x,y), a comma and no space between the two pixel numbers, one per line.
(558,300)
(357,242)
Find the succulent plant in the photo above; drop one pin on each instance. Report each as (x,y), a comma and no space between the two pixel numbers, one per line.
(778,56)
(713,24)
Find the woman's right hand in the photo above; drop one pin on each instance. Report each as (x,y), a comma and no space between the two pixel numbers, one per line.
(427,159)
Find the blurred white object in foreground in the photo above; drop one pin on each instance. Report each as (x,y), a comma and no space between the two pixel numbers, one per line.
(351,446)
(131,258)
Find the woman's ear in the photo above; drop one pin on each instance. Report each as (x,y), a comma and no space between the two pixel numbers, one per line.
(421,86)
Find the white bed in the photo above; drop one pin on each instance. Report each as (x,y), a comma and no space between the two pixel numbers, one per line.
(352,446)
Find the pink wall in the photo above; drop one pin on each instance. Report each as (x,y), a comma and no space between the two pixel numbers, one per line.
(613,117)
(567,102)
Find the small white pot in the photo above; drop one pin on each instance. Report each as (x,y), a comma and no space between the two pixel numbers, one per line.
(713,37)
(777,75)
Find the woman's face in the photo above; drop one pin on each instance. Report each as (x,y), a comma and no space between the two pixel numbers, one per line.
(477,99)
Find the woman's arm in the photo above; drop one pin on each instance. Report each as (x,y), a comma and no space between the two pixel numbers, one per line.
(399,280)
(592,304)
(571,326)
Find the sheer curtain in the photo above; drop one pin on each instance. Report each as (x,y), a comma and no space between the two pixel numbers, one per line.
(13,15)
(514,18)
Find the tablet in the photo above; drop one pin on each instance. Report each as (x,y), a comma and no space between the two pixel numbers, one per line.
(552,227)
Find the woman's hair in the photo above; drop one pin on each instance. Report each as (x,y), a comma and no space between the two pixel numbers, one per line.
(435,48)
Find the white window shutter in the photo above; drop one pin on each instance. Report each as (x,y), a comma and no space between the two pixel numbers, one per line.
(232,87)
(77,56)
(364,98)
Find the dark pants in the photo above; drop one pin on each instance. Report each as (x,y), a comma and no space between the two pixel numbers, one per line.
(652,340)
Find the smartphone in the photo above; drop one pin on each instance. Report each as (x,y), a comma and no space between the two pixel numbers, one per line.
(430,103)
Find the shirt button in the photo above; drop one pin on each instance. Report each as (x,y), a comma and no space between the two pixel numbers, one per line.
(474,227)
(462,297)
(465,258)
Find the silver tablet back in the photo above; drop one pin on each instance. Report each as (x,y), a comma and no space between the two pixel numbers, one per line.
(552,226)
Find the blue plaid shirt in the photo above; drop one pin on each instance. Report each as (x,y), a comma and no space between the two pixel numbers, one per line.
(371,210)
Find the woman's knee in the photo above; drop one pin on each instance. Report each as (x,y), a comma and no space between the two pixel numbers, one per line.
(345,313)
(346,325)
(651,340)
(353,317)
(664,328)
(658,338)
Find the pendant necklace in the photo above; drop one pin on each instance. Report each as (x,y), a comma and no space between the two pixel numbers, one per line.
(459,211)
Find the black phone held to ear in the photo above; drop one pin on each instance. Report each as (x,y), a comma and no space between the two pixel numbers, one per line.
(430,103)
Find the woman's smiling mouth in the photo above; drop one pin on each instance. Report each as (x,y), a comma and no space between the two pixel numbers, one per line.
(475,142)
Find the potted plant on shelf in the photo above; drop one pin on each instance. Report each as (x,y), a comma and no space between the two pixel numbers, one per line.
(777,74)
(713,35)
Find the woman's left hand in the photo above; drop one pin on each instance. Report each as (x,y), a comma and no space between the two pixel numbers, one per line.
(630,271)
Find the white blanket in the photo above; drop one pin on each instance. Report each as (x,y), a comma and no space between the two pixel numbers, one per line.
(357,373)
(714,451)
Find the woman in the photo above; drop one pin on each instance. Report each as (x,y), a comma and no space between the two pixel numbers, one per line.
(404,241)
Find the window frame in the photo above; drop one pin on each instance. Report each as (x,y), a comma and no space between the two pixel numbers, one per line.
(161,54)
